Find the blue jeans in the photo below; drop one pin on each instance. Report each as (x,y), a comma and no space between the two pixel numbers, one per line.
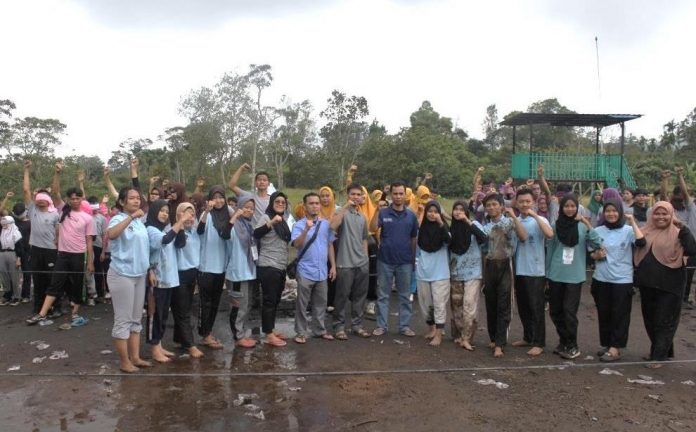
(385,276)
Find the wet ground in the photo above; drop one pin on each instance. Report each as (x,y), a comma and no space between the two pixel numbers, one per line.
(390,383)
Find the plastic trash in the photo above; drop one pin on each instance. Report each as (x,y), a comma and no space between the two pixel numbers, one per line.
(497,384)
(399,342)
(294,389)
(259,415)
(38,360)
(655,397)
(57,355)
(46,322)
(42,346)
(244,399)
(645,382)
(105,352)
(14,368)
(688,382)
(607,371)
(300,379)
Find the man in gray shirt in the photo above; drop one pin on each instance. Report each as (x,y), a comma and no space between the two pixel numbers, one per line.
(260,196)
(352,262)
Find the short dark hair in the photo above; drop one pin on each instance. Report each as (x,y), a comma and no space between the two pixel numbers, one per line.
(233,199)
(42,190)
(524,191)
(262,173)
(93,199)
(397,183)
(308,195)
(564,188)
(493,196)
(353,186)
(123,195)
(74,191)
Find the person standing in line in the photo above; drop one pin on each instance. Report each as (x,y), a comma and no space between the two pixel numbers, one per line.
(24,225)
(74,242)
(501,228)
(327,199)
(530,274)
(241,271)
(214,229)
(612,281)
(99,251)
(432,271)
(10,261)
(566,264)
(130,258)
(273,234)
(640,207)
(396,257)
(260,196)
(188,258)
(660,277)
(465,273)
(312,269)
(352,261)
(43,240)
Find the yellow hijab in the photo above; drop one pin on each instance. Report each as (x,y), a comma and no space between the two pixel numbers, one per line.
(367,208)
(328,211)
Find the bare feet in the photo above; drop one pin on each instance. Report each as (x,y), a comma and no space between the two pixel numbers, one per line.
(158,355)
(128,368)
(141,363)
(535,351)
(431,332)
(653,366)
(166,352)
(437,338)
(211,342)
(194,352)
(246,342)
(273,340)
(280,335)
(498,352)
(466,345)
(520,343)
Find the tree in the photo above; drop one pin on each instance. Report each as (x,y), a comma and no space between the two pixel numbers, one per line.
(292,136)
(259,78)
(490,127)
(344,131)
(29,137)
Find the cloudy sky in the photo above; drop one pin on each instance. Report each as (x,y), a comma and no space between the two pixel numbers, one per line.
(113,70)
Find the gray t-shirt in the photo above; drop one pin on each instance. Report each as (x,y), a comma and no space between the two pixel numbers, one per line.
(273,250)
(99,229)
(351,235)
(43,227)
(260,205)
(688,216)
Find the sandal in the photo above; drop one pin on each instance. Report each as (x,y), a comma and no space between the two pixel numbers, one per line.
(214,344)
(300,339)
(327,337)
(246,342)
(362,333)
(280,335)
(273,340)
(341,336)
(609,357)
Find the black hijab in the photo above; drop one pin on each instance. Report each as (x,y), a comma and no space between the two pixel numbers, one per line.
(282,229)
(567,226)
(461,232)
(432,236)
(220,216)
(153,212)
(619,208)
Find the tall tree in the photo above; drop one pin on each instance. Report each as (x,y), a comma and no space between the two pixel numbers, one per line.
(292,136)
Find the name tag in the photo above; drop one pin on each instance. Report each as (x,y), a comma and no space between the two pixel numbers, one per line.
(568,254)
(388,219)
(254,253)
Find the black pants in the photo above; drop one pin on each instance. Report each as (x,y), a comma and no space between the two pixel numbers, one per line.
(563,305)
(157,323)
(497,279)
(105,268)
(24,260)
(272,282)
(42,263)
(690,262)
(68,277)
(372,250)
(99,273)
(182,298)
(661,313)
(613,312)
(210,288)
(529,291)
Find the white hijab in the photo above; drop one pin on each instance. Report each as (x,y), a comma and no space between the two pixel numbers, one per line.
(10,233)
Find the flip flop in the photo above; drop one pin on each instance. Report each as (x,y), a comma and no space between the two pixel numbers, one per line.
(300,339)
(341,336)
(214,344)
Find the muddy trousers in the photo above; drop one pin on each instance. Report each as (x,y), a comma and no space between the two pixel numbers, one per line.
(210,289)
(351,285)
(157,323)
(9,274)
(497,280)
(563,308)
(613,312)
(272,285)
(661,313)
(99,275)
(432,297)
(42,263)
(464,298)
(529,291)
(182,298)
(240,295)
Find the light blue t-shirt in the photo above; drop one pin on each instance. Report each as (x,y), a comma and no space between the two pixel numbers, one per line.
(618,266)
(530,259)
(313,265)
(468,266)
(163,258)
(189,256)
(130,251)
(432,266)
(237,265)
(213,250)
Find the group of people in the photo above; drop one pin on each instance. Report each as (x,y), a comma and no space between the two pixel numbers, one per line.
(159,247)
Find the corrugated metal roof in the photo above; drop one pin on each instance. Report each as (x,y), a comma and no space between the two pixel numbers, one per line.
(593,120)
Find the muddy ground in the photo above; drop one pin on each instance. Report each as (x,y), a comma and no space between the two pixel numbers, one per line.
(390,383)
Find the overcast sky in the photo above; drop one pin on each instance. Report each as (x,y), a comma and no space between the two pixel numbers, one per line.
(113,70)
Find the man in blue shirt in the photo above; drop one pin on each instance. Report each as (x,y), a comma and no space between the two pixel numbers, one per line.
(397,251)
(311,270)
(530,274)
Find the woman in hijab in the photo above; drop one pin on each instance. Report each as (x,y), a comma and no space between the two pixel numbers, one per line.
(565,264)
(176,196)
(273,235)
(214,230)
(188,258)
(465,274)
(163,275)
(241,270)
(368,209)
(10,252)
(595,206)
(612,281)
(660,276)
(198,201)
(542,206)
(432,271)
(607,194)
(327,201)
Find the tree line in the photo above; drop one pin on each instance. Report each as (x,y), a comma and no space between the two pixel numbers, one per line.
(232,122)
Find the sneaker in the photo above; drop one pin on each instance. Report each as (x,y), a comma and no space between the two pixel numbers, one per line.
(14,302)
(55,313)
(25,300)
(91,302)
(371,308)
(570,353)
(329,309)
(35,319)
(107,295)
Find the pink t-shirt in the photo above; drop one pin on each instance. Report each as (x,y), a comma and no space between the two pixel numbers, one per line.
(73,232)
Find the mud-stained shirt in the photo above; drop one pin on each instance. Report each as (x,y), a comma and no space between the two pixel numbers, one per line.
(501,238)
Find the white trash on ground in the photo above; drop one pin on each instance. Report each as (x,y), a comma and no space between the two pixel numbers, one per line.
(607,371)
(57,355)
(497,384)
(38,360)
(14,368)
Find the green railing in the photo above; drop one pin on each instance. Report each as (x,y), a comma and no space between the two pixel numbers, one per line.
(573,167)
